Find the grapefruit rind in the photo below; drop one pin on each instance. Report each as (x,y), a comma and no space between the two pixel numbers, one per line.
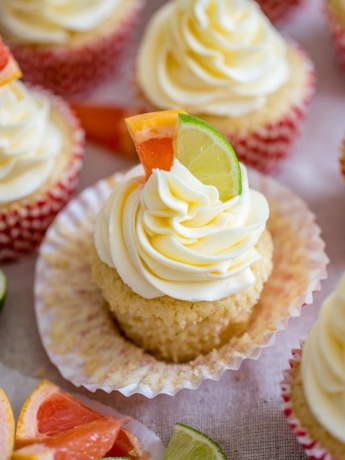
(7,425)
(26,432)
(10,72)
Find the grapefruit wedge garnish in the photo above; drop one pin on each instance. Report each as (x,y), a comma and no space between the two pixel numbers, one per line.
(52,421)
(152,135)
(6,427)
(9,69)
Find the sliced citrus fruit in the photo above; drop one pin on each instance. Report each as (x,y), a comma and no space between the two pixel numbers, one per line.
(3,289)
(49,412)
(105,125)
(152,136)
(207,155)
(6,427)
(90,441)
(9,69)
(189,444)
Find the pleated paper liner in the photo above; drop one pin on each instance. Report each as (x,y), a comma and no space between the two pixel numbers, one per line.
(313,448)
(278,10)
(337,31)
(24,223)
(84,343)
(71,70)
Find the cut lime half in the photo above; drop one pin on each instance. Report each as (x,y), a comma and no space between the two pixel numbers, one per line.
(207,155)
(3,289)
(186,443)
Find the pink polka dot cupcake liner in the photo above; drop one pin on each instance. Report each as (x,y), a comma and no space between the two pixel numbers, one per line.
(312,447)
(23,224)
(277,10)
(78,69)
(337,31)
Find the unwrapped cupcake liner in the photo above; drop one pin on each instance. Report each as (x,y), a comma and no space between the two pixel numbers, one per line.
(337,31)
(277,10)
(24,223)
(77,69)
(312,447)
(82,339)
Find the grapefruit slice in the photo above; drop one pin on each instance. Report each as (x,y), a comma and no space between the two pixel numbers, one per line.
(152,135)
(6,427)
(104,124)
(50,414)
(90,441)
(9,69)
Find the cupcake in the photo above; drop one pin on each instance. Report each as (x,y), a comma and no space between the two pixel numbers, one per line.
(276,10)
(68,47)
(335,17)
(314,387)
(225,63)
(41,150)
(180,264)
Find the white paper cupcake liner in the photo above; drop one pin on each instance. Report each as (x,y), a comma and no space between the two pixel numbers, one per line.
(312,447)
(81,338)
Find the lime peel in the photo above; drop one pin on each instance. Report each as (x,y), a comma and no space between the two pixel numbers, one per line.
(207,155)
(188,443)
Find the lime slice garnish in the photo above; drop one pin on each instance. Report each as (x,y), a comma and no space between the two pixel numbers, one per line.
(186,443)
(3,289)
(207,155)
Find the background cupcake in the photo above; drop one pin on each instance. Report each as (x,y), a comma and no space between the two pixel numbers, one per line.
(276,10)
(214,63)
(335,16)
(41,150)
(314,387)
(67,46)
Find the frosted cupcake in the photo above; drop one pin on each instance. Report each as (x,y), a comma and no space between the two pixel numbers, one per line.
(180,267)
(67,46)
(41,150)
(277,10)
(225,63)
(335,16)
(314,389)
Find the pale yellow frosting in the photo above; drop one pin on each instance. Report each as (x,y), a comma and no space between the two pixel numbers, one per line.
(53,21)
(220,57)
(323,364)
(29,142)
(173,236)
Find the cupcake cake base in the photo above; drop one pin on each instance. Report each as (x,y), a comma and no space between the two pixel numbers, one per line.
(83,341)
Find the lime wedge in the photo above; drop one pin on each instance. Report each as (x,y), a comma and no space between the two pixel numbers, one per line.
(207,155)
(3,289)
(186,443)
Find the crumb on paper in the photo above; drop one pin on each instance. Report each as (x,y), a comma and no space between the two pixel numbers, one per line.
(40,373)
(240,376)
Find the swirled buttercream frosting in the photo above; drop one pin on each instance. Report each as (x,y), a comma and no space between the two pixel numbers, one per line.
(29,142)
(173,236)
(323,364)
(220,57)
(52,21)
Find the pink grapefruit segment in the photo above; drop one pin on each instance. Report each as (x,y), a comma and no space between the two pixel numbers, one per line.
(152,135)
(9,69)
(56,420)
